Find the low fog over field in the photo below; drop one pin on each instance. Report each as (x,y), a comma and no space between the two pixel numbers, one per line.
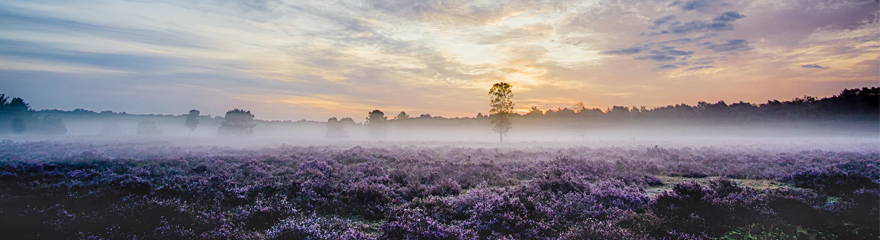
(795,169)
(857,135)
(848,119)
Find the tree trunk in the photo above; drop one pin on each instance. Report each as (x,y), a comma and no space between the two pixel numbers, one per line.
(501,137)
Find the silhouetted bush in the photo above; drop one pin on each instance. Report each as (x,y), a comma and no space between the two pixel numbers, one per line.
(369,197)
(335,129)
(314,227)
(148,128)
(16,116)
(833,181)
(414,224)
(692,209)
(237,122)
(601,230)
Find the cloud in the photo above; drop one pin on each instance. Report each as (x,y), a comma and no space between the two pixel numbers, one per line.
(28,20)
(673,41)
(632,50)
(737,45)
(728,17)
(699,67)
(658,57)
(668,19)
(254,5)
(668,66)
(672,51)
(813,66)
(451,12)
(703,61)
(720,23)
(664,55)
(434,57)
(692,4)
(126,62)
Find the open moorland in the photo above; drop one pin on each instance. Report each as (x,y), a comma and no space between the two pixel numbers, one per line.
(165,190)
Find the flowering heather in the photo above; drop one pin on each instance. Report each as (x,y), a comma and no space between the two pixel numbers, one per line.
(51,190)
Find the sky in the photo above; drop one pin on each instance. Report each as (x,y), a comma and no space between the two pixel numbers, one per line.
(291,60)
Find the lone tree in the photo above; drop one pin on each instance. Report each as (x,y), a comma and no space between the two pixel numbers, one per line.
(17,110)
(401,116)
(237,122)
(502,107)
(192,120)
(336,129)
(376,122)
(20,118)
(148,128)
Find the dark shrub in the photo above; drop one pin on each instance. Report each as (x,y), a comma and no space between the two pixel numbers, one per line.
(369,197)
(446,187)
(317,170)
(555,181)
(862,211)
(833,181)
(688,170)
(493,213)
(614,194)
(414,224)
(600,230)
(315,227)
(605,201)
(797,207)
(693,210)
(504,215)
(263,215)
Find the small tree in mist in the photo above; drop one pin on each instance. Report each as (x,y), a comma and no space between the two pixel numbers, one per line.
(148,128)
(237,122)
(20,118)
(17,111)
(376,122)
(110,128)
(579,107)
(192,120)
(335,129)
(534,112)
(347,121)
(502,107)
(401,116)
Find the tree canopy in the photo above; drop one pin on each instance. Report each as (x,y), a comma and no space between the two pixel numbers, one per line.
(376,122)
(237,122)
(192,120)
(500,96)
(16,116)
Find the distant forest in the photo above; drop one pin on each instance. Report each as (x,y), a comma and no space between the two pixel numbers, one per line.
(850,104)
(863,105)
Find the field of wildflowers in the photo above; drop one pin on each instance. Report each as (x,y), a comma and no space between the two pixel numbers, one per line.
(52,190)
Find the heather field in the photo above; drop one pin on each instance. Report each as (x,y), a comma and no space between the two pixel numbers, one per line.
(164,190)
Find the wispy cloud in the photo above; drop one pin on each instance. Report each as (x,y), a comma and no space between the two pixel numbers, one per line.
(316,59)
(632,50)
(736,45)
(813,66)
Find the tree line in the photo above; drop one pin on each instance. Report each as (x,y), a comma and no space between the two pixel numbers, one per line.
(862,104)
(850,104)
(17,117)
